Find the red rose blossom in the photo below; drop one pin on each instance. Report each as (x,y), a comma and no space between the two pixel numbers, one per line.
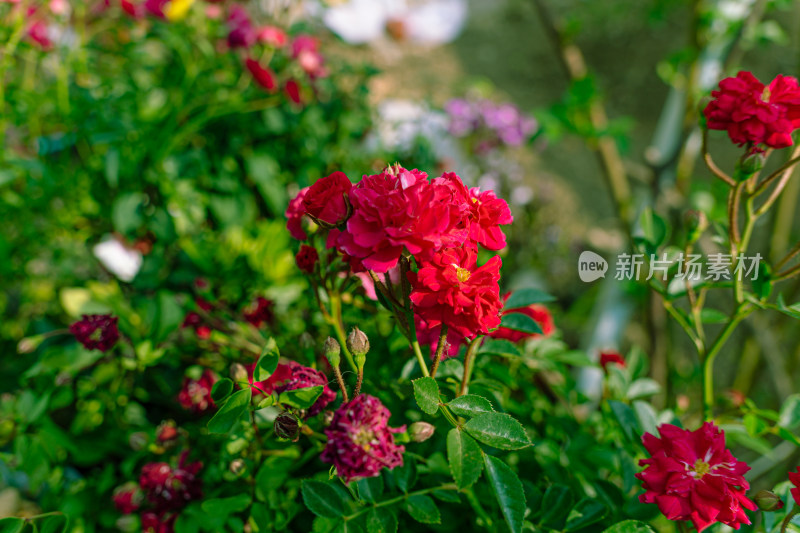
(158,522)
(195,394)
(306,258)
(242,33)
(692,476)
(488,213)
(96,332)
(294,216)
(260,312)
(305,50)
(326,201)
(453,290)
(428,336)
(168,488)
(754,114)
(794,478)
(292,90)
(539,313)
(195,321)
(291,376)
(360,442)
(263,76)
(608,357)
(400,209)
(127,498)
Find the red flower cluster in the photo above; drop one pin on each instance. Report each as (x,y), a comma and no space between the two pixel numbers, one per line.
(360,442)
(451,289)
(195,394)
(692,476)
(260,313)
(96,332)
(755,114)
(292,376)
(539,313)
(164,489)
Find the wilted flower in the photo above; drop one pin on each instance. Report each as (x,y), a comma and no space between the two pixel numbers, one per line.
(96,331)
(287,426)
(692,476)
(360,442)
(307,258)
(195,394)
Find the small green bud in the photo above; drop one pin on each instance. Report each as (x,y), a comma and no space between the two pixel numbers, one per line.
(420,431)
(333,352)
(358,344)
(768,501)
(750,165)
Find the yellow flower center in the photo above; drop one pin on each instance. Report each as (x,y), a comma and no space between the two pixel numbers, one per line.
(462,274)
(766,94)
(363,439)
(701,468)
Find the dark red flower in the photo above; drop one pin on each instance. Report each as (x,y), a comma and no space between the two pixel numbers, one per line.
(195,394)
(755,114)
(96,331)
(260,312)
(307,258)
(539,313)
(292,90)
(453,290)
(158,522)
(127,498)
(326,200)
(197,323)
(360,442)
(155,7)
(692,476)
(294,216)
(608,357)
(168,488)
(263,76)
(242,33)
(291,376)
(794,478)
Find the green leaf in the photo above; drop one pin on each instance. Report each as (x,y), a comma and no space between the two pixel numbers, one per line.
(526,297)
(53,524)
(301,398)
(650,231)
(221,390)
(508,490)
(464,456)
(713,316)
(630,526)
(322,499)
(423,509)
(381,521)
(556,504)
(520,322)
(789,416)
(586,512)
(499,347)
(643,387)
(406,475)
(498,430)
(627,420)
(230,412)
(426,392)
(11,525)
(370,489)
(219,507)
(186,523)
(470,405)
(267,362)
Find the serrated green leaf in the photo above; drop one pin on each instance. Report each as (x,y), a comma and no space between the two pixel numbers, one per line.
(422,509)
(267,362)
(464,456)
(525,297)
(520,322)
(370,489)
(221,389)
(585,513)
(508,490)
(426,392)
(322,499)
(406,476)
(381,521)
(470,405)
(301,398)
(630,526)
(498,430)
(230,412)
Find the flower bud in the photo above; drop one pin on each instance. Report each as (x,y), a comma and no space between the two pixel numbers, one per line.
(768,501)
(358,344)
(239,373)
(29,344)
(420,431)
(287,426)
(751,164)
(237,467)
(333,352)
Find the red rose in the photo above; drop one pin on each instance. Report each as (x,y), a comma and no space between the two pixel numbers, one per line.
(195,394)
(292,90)
(307,258)
(539,313)
(755,114)
(294,216)
(608,357)
(488,213)
(127,498)
(453,290)
(326,200)
(96,332)
(263,76)
(692,476)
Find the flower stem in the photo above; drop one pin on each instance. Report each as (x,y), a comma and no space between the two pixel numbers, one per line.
(468,364)
(338,327)
(338,373)
(788,519)
(420,358)
(439,350)
(398,499)
(710,356)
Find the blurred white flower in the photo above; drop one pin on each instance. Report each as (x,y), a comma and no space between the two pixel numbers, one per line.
(121,261)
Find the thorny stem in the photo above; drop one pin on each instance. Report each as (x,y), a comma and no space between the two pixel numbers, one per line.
(783,168)
(733,213)
(788,519)
(339,379)
(776,192)
(468,364)
(359,382)
(713,166)
(439,350)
